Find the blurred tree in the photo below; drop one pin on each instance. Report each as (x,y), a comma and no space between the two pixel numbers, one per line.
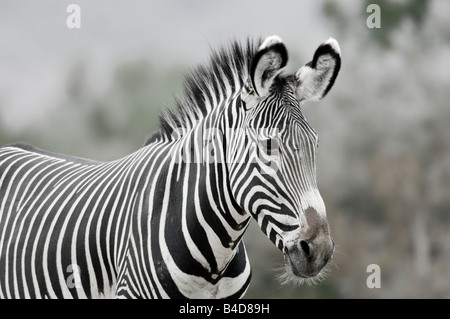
(393,14)
(393,183)
(333,11)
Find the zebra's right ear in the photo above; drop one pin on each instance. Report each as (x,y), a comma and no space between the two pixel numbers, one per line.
(267,62)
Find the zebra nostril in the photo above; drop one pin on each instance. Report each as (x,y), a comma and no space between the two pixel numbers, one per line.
(305,247)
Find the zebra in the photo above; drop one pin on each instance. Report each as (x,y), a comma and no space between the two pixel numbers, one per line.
(168,220)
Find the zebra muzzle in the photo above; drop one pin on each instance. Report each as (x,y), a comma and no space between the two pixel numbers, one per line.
(306,259)
(310,251)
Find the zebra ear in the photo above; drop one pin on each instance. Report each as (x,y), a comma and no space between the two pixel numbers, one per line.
(315,79)
(268,61)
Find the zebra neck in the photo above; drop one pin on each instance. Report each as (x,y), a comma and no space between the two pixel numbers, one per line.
(196,200)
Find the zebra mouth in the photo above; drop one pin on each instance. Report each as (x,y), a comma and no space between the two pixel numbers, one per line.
(300,266)
(294,275)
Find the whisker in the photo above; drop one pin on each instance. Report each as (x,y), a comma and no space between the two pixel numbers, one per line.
(333,263)
(287,277)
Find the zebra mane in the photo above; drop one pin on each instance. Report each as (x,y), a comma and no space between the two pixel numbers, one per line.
(206,86)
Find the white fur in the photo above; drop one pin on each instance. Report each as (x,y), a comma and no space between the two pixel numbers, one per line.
(334,44)
(269,41)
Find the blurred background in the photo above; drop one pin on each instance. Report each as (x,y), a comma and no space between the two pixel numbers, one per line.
(383,164)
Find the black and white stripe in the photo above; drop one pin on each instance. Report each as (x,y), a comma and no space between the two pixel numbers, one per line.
(167,221)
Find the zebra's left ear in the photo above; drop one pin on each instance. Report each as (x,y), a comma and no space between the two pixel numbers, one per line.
(268,61)
(315,79)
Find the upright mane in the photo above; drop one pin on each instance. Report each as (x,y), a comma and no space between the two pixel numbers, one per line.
(206,86)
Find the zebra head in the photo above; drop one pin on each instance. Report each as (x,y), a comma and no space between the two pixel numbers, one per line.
(276,183)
